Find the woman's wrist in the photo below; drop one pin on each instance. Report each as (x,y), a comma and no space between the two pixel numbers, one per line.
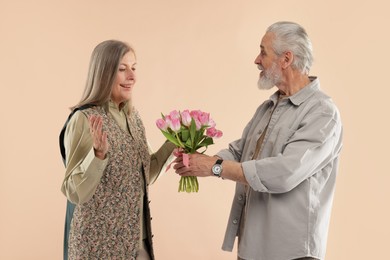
(99,154)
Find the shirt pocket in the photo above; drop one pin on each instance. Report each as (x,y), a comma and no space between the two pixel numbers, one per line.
(281,140)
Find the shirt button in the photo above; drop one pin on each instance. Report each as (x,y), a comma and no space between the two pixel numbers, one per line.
(235,221)
(240,197)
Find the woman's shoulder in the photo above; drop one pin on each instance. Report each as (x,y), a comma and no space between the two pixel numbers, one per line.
(79,118)
(135,118)
(134,113)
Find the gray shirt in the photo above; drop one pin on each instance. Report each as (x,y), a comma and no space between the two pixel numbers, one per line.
(286,208)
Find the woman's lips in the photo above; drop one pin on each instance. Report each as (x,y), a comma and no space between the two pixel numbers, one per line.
(126,85)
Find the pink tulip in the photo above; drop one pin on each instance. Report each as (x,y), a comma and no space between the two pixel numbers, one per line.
(161,124)
(174,114)
(195,114)
(197,123)
(173,123)
(211,123)
(204,118)
(186,118)
(218,134)
(212,132)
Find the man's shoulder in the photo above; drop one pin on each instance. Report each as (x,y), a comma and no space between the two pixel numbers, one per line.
(323,103)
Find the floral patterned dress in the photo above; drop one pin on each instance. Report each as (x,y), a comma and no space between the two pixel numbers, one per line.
(108,225)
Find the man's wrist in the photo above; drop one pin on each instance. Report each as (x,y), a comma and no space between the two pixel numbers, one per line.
(217,168)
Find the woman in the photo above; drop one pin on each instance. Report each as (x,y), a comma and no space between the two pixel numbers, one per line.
(108,164)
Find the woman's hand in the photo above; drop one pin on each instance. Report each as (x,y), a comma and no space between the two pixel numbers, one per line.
(100,143)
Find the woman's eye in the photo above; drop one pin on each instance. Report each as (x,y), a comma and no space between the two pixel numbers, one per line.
(122,69)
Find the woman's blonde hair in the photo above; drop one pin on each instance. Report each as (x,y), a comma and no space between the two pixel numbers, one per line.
(103,67)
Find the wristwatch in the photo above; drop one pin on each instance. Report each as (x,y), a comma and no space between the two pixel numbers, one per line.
(217,168)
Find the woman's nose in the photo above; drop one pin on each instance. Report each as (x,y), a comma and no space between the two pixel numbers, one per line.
(130,74)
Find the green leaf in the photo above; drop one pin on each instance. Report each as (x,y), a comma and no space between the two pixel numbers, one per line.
(188,143)
(178,140)
(199,136)
(185,134)
(171,138)
(192,131)
(206,142)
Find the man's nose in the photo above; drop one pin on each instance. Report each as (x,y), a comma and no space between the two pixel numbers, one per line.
(257,60)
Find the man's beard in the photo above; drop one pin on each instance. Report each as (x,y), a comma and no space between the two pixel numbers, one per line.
(270,77)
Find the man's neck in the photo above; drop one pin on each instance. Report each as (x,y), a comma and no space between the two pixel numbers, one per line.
(293,83)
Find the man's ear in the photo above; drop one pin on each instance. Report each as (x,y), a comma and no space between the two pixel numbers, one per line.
(288,57)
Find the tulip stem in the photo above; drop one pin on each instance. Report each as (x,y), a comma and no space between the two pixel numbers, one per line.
(188,184)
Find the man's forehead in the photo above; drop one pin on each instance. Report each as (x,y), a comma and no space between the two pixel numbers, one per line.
(266,40)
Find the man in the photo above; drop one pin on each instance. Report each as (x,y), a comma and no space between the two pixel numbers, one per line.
(286,161)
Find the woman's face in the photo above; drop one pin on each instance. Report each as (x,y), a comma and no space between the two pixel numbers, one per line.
(124,80)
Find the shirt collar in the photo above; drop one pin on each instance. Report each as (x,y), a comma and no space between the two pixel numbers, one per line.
(110,105)
(300,97)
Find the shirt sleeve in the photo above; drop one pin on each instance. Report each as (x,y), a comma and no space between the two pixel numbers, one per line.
(235,150)
(83,169)
(315,144)
(160,160)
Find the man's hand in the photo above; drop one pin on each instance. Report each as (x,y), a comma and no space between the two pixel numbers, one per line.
(199,165)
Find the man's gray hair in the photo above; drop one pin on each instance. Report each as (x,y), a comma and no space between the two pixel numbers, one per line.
(292,37)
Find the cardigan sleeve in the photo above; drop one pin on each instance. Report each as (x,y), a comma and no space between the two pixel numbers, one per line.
(160,160)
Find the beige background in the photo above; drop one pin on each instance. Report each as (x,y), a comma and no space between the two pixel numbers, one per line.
(196,55)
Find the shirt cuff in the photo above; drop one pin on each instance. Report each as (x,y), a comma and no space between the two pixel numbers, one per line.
(250,172)
(92,164)
(226,155)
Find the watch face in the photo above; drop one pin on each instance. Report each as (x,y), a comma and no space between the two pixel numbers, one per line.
(217,169)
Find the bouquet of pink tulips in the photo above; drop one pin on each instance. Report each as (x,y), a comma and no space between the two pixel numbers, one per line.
(188,130)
